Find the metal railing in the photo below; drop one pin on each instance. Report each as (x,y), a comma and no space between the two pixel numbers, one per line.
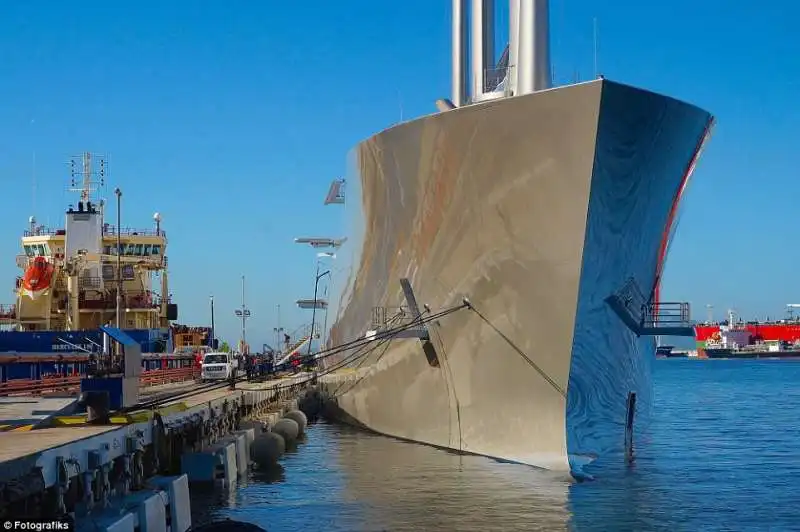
(493,77)
(667,314)
(72,383)
(139,299)
(90,282)
(129,231)
(44,231)
(650,314)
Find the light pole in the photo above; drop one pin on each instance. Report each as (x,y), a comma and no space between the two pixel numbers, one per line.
(278,330)
(324,335)
(212,346)
(314,308)
(243,313)
(118,192)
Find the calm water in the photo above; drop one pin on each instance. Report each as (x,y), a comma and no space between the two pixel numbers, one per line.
(723,453)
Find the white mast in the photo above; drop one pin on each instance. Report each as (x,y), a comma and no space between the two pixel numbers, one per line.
(534,46)
(459,59)
(528,51)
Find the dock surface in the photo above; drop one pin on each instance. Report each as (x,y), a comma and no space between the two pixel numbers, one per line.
(22,446)
(23,412)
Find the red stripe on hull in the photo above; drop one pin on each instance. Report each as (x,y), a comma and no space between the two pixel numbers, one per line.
(662,252)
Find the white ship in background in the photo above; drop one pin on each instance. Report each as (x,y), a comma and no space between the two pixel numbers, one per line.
(551,209)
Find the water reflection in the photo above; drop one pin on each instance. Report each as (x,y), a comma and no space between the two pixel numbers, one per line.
(343,479)
(722,454)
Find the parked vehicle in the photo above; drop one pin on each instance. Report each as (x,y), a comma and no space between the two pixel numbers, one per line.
(218,366)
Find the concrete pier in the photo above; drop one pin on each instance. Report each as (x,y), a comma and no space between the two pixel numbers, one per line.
(145,464)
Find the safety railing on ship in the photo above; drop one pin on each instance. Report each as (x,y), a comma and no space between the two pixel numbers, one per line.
(8,311)
(128,231)
(493,79)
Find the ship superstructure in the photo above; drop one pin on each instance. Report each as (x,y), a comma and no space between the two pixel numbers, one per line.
(776,337)
(91,272)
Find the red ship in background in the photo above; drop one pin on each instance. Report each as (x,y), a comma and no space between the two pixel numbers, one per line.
(784,333)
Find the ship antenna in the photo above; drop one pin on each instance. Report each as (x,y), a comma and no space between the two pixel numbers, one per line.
(87,177)
(33,179)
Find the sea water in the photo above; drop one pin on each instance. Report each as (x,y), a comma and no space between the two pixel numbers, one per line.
(722,453)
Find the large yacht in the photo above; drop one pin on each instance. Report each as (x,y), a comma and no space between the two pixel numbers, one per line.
(550,210)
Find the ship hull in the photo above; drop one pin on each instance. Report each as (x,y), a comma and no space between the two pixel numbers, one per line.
(733,353)
(536,208)
(22,342)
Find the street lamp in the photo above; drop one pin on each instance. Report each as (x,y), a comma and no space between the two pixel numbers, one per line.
(244,313)
(314,308)
(278,330)
(118,192)
(212,344)
(323,337)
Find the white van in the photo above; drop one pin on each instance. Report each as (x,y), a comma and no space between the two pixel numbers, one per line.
(217,366)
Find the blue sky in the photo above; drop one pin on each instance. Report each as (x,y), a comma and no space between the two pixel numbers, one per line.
(231,119)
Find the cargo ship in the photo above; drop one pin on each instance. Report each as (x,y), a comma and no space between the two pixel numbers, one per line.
(86,274)
(735,338)
(541,206)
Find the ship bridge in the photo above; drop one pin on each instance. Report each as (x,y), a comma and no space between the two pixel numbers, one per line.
(71,276)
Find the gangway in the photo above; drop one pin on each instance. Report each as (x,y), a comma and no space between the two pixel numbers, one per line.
(303,342)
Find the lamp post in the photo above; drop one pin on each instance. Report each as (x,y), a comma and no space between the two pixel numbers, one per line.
(212,346)
(324,335)
(278,330)
(118,192)
(243,313)
(314,308)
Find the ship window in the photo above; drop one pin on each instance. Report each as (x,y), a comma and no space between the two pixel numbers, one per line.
(131,249)
(138,249)
(127,272)
(40,250)
(147,249)
(156,249)
(28,251)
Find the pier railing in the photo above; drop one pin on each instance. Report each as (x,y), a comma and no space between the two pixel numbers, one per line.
(59,383)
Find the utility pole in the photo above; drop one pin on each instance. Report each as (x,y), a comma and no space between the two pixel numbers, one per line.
(278,331)
(212,345)
(118,192)
(243,313)
(314,308)
(244,318)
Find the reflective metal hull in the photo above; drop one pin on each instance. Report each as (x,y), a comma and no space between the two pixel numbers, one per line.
(536,208)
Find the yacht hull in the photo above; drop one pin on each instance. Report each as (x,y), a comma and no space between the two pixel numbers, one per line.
(536,208)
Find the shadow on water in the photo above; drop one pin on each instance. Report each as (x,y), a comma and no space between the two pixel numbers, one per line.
(720,434)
